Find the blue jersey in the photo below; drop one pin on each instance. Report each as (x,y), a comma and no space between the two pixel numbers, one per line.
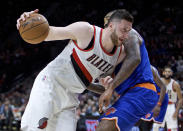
(142,74)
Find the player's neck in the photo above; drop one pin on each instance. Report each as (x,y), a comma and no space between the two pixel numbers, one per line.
(106,41)
(167,81)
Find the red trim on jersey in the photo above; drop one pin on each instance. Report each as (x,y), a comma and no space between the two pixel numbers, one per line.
(89,43)
(113,75)
(171,102)
(82,67)
(103,47)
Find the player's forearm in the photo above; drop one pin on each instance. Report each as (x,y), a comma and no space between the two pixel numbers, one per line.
(179,104)
(58,33)
(127,68)
(160,84)
(96,88)
(162,95)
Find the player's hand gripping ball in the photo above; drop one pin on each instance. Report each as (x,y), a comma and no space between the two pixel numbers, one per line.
(34,29)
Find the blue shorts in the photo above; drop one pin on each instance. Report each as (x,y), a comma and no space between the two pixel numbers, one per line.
(130,107)
(159,119)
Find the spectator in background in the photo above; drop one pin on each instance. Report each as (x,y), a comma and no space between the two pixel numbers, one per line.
(180,64)
(7,116)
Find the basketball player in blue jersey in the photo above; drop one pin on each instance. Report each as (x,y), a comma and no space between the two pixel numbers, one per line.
(134,82)
(158,113)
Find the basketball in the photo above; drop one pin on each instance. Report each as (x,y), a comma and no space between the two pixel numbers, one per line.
(34,29)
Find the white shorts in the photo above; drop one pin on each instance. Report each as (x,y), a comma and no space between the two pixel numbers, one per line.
(50,100)
(170,122)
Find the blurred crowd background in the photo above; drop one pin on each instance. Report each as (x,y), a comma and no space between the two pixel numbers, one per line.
(159,22)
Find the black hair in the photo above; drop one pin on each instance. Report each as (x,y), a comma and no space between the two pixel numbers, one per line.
(167,67)
(121,14)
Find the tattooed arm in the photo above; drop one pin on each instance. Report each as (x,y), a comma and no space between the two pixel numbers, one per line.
(131,61)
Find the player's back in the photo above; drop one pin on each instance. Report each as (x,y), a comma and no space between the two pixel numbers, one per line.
(142,74)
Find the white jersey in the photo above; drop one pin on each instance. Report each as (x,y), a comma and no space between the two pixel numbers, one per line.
(172,94)
(88,64)
(55,91)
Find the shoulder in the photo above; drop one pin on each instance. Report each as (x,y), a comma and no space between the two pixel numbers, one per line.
(175,86)
(85,26)
(134,35)
(175,83)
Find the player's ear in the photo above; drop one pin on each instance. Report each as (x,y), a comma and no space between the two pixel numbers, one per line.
(171,73)
(111,25)
(163,73)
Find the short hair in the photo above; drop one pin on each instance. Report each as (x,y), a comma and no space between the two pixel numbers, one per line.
(167,67)
(117,14)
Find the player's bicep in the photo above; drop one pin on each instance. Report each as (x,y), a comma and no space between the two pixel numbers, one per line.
(75,31)
(132,47)
(121,56)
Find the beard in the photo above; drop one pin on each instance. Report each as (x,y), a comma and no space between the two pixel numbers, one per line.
(167,77)
(114,38)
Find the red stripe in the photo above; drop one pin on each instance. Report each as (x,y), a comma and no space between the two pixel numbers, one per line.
(170,102)
(93,42)
(82,67)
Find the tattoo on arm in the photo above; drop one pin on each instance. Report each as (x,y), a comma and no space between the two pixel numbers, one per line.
(131,61)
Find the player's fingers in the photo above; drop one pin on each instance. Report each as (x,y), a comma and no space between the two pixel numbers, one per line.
(27,14)
(22,17)
(101,81)
(106,79)
(36,11)
(110,80)
(100,105)
(18,23)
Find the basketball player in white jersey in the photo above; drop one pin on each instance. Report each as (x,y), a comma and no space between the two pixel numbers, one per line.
(174,92)
(91,53)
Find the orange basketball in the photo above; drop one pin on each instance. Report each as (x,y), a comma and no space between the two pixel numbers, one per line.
(34,29)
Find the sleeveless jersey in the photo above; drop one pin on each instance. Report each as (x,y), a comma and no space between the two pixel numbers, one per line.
(171,93)
(142,74)
(88,64)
